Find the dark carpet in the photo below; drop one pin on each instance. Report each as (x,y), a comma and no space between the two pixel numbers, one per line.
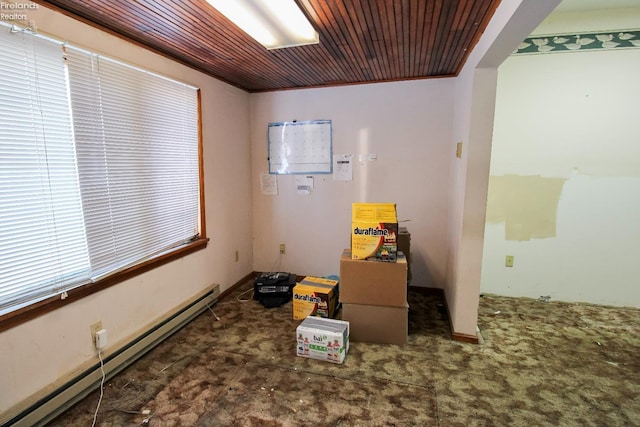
(539,364)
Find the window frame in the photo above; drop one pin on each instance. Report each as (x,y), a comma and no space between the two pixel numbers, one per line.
(47,305)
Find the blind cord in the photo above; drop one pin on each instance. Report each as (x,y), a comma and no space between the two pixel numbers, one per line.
(95,415)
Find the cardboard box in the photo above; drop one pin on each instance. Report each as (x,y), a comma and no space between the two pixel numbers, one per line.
(404,246)
(323,339)
(374,241)
(373,212)
(377,324)
(374,230)
(315,296)
(373,283)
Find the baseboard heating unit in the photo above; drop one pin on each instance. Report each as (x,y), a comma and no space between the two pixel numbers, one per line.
(65,396)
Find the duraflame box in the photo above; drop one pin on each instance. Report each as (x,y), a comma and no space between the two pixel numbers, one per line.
(323,339)
(374,241)
(374,230)
(373,283)
(377,324)
(315,296)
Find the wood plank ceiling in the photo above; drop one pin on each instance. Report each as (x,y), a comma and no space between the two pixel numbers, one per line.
(361,41)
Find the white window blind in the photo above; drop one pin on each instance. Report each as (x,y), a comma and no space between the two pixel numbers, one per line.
(137,145)
(42,240)
(99,167)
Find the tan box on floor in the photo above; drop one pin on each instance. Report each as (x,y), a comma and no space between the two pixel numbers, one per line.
(373,283)
(377,324)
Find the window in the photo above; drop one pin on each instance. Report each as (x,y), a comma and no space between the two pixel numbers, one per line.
(99,168)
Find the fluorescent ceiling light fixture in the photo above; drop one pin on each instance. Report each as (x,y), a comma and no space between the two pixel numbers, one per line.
(273,23)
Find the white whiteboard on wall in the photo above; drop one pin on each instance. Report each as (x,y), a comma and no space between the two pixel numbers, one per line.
(300,147)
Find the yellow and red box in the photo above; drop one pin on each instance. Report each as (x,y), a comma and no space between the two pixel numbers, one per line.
(315,296)
(374,231)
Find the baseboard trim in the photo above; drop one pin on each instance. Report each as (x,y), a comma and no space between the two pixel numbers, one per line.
(63,397)
(471,339)
(455,336)
(238,284)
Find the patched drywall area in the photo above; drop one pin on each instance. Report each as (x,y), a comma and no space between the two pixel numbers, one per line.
(526,205)
(564,190)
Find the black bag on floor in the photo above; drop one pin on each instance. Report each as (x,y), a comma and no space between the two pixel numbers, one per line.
(274,289)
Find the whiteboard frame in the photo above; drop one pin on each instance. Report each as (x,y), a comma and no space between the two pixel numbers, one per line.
(303,168)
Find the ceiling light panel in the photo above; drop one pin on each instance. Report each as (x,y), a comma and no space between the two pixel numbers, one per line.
(274,24)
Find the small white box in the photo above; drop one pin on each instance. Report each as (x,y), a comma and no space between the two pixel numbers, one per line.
(323,339)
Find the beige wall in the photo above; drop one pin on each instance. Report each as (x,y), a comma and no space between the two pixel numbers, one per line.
(566,148)
(40,352)
(407,125)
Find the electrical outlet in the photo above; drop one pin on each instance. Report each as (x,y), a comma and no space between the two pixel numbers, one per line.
(95,328)
(283,249)
(237,256)
(508,261)
(101,339)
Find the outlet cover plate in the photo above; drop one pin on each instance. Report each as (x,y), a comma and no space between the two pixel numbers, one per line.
(95,328)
